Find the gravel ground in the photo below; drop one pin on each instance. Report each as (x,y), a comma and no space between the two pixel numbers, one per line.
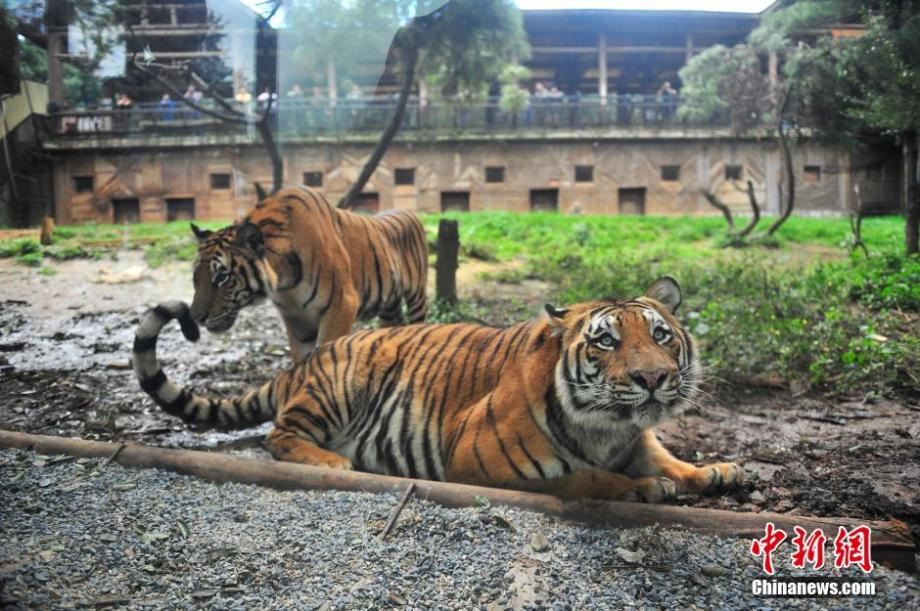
(83,534)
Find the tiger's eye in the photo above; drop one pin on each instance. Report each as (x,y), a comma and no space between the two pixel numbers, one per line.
(221,277)
(606,341)
(661,334)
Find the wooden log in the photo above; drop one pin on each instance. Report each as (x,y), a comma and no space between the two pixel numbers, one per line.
(891,540)
(448,252)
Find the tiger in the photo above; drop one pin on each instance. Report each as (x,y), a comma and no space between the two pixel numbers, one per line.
(564,404)
(321,267)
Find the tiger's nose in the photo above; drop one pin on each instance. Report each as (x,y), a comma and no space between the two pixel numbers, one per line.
(649,379)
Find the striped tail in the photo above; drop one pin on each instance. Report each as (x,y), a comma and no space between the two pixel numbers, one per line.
(254,407)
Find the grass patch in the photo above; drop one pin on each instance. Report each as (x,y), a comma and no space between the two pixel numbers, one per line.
(798,308)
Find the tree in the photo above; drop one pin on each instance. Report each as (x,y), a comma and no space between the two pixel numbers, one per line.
(730,80)
(467,42)
(860,85)
(514,97)
(213,85)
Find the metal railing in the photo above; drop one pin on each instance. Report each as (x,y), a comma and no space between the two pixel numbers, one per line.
(316,117)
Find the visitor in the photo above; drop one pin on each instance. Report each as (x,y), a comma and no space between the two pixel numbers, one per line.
(667,97)
(166,106)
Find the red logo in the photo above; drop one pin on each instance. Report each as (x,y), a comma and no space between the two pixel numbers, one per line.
(766,546)
(808,550)
(853,547)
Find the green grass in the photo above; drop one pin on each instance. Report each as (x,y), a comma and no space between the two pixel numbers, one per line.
(804,310)
(508,235)
(161,242)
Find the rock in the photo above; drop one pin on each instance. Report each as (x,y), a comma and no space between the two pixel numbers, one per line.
(539,542)
(756,497)
(713,570)
(635,557)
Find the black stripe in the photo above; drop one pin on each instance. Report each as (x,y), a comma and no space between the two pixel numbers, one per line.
(533,461)
(144,344)
(152,384)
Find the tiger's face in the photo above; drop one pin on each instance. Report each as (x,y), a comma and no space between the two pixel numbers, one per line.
(625,361)
(226,275)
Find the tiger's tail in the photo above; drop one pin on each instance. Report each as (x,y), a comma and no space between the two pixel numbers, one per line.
(253,407)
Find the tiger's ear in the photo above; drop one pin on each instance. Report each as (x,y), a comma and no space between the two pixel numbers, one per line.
(666,291)
(249,236)
(201,234)
(260,193)
(555,316)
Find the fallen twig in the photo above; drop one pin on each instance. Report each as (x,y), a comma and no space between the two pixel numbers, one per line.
(394,515)
(113,455)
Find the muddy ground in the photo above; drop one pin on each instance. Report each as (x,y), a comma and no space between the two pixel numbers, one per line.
(64,370)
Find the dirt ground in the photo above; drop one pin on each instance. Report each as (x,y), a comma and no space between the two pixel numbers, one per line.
(65,345)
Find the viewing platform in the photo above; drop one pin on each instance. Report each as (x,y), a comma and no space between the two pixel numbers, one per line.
(635,117)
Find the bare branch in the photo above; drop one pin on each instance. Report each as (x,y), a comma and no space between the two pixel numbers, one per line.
(717,203)
(240,120)
(755,211)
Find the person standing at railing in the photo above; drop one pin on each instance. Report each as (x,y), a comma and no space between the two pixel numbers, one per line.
(243,98)
(667,98)
(193,95)
(123,104)
(166,105)
(539,98)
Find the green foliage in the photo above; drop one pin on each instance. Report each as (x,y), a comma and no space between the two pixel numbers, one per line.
(173,248)
(800,310)
(514,97)
(869,82)
(47,271)
(63,252)
(465,43)
(18,246)
(33,259)
(728,80)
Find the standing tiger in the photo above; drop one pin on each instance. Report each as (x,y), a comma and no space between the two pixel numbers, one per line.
(322,268)
(563,404)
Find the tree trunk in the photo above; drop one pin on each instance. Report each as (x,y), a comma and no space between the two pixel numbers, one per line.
(911,194)
(755,211)
(410,61)
(790,179)
(271,147)
(725,210)
(332,91)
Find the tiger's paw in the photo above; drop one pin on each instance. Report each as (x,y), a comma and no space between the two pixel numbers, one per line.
(650,490)
(717,477)
(336,462)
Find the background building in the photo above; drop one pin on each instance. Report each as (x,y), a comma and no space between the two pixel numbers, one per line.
(601,134)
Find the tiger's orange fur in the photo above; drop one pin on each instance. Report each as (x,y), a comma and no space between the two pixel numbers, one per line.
(322,268)
(564,404)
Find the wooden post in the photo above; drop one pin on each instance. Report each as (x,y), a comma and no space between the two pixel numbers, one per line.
(448,250)
(688,52)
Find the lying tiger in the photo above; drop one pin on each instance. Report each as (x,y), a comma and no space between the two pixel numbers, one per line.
(322,268)
(563,404)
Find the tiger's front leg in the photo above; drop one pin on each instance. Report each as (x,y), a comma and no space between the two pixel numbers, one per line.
(299,429)
(498,449)
(301,337)
(606,485)
(650,458)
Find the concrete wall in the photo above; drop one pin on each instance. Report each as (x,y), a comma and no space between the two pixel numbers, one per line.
(156,175)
